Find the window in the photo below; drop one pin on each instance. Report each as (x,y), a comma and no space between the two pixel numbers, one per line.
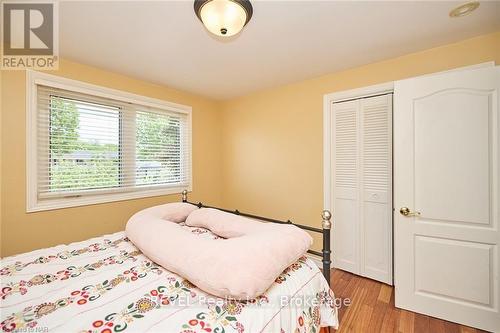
(88,144)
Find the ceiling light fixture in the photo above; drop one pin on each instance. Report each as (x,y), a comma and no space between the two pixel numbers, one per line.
(223,17)
(464,9)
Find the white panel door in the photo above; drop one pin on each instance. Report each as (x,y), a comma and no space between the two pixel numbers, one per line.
(446,172)
(345,124)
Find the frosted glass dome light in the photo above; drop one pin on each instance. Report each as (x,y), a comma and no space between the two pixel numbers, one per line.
(223,17)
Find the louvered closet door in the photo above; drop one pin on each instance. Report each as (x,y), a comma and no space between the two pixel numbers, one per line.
(376,188)
(362,186)
(345,117)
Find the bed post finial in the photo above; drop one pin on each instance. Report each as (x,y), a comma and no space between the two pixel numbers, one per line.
(327,226)
(184,196)
(327,216)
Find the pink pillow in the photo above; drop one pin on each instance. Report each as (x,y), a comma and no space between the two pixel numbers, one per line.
(243,266)
(174,212)
(223,224)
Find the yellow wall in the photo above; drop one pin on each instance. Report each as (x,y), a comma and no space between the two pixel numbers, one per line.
(23,232)
(273,139)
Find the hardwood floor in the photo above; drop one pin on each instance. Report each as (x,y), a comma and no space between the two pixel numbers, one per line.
(372,309)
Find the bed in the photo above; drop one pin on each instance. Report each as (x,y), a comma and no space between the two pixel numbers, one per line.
(106,284)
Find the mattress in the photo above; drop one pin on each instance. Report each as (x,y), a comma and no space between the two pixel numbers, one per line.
(106,284)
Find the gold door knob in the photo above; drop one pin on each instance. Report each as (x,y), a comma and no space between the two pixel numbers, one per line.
(405,211)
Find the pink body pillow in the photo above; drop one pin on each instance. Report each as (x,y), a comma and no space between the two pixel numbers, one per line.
(243,266)
(174,212)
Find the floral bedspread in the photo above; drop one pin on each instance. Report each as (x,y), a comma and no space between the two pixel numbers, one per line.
(107,285)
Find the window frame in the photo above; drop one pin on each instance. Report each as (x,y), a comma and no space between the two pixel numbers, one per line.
(33,204)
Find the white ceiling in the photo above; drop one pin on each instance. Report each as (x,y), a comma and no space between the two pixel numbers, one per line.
(286,41)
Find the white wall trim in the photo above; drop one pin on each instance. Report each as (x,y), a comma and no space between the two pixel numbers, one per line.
(328,99)
(33,79)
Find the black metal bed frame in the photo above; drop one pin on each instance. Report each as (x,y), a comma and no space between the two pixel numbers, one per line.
(325,229)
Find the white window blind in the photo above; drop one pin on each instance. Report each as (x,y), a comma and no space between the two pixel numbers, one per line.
(91,146)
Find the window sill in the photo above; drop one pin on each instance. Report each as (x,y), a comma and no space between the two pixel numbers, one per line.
(43,205)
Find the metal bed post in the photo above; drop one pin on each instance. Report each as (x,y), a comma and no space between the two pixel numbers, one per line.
(327,226)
